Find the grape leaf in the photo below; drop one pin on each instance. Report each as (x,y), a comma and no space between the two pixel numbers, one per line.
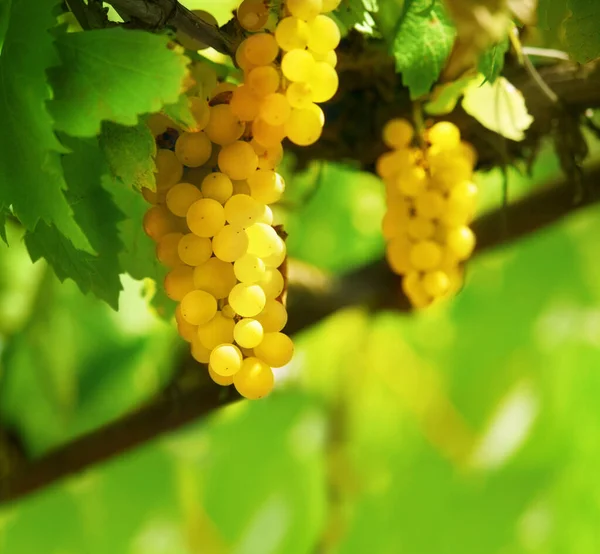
(422,45)
(98,216)
(581,30)
(114,75)
(180,112)
(551,14)
(491,61)
(3,225)
(31,176)
(129,152)
(444,97)
(4,17)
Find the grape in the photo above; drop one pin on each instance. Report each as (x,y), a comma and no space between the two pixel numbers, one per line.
(248,333)
(249,268)
(238,160)
(254,380)
(436,283)
(223,87)
(242,210)
(303,127)
(394,223)
(272,283)
(252,14)
(263,80)
(187,331)
(201,112)
(420,228)
(266,186)
(398,133)
(230,243)
(198,307)
(166,249)
(158,123)
(194,250)
(205,77)
(199,352)
(181,197)
(304,9)
(179,282)
(158,222)
(168,169)
(390,163)
(263,240)
(425,255)
(397,253)
(247,300)
(330,5)
(412,181)
(445,175)
(268,157)
(241,59)
(324,82)
(223,380)
(244,103)
(217,331)
(292,33)
(461,242)
(205,217)
(276,349)
(329,57)
(193,149)
(299,95)
(215,276)
(268,135)
(445,135)
(228,312)
(223,127)
(273,317)
(298,65)
(266,216)
(318,112)
(226,359)
(278,256)
(275,109)
(430,204)
(324,34)
(467,151)
(261,49)
(240,187)
(217,186)
(151,196)
(412,285)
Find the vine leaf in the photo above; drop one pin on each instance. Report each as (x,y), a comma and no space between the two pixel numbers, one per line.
(112,75)
(180,112)
(129,152)
(422,45)
(445,97)
(499,106)
(581,30)
(31,176)
(491,61)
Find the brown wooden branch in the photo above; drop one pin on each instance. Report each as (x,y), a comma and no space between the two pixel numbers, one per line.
(312,297)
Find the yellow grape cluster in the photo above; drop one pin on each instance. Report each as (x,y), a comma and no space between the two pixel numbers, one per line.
(288,72)
(213,228)
(430,203)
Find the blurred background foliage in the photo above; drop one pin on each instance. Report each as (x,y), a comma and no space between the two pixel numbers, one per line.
(471,427)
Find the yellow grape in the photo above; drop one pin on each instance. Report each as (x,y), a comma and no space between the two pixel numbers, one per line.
(217,331)
(263,240)
(217,186)
(299,95)
(273,317)
(254,380)
(194,250)
(397,253)
(168,169)
(266,216)
(200,353)
(412,285)
(303,127)
(252,14)
(179,282)
(261,49)
(198,307)
(166,249)
(216,277)
(205,217)
(248,300)
(276,349)
(430,204)
(461,242)
(268,157)
(412,182)
(390,164)
(324,34)
(262,80)
(230,243)
(292,33)
(420,228)
(240,187)
(323,81)
(223,126)
(238,160)
(205,78)
(298,65)
(244,103)
(272,283)
(436,283)
(248,333)
(398,133)
(223,87)
(425,255)
(226,359)
(223,380)
(228,311)
(275,109)
(186,331)
(266,186)
(278,256)
(201,112)
(158,222)
(193,149)
(249,268)
(304,9)
(181,197)
(158,123)
(152,197)
(329,57)
(242,210)
(444,134)
(241,59)
(318,112)
(268,135)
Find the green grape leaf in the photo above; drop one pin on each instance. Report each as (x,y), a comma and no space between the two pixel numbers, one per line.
(387,15)
(3,224)
(445,97)
(114,75)
(551,14)
(180,112)
(422,45)
(98,216)
(31,176)
(491,61)
(499,106)
(129,152)
(4,17)
(582,34)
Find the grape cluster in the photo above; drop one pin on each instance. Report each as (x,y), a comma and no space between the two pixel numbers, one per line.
(288,72)
(430,203)
(213,228)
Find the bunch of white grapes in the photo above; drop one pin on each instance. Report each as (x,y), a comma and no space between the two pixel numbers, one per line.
(287,72)
(430,204)
(213,228)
